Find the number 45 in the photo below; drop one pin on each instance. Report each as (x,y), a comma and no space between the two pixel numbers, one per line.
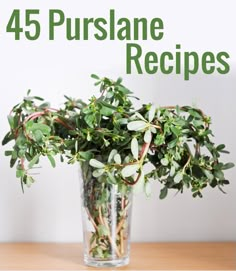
(14,24)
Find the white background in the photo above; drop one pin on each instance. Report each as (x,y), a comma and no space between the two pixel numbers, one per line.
(50,209)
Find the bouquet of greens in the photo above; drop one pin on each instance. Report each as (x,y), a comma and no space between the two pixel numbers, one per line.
(118,146)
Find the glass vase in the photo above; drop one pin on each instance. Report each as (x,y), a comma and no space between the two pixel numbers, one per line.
(106,217)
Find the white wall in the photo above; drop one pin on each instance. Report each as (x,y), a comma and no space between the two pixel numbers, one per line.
(50,210)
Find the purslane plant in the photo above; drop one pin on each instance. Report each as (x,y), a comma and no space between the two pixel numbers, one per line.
(116,145)
(118,141)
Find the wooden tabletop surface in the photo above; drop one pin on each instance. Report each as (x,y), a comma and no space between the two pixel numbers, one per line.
(144,256)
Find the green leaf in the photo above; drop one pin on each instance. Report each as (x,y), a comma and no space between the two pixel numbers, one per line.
(148,136)
(86,155)
(95,163)
(44,106)
(97,83)
(172,171)
(164,161)
(105,104)
(124,90)
(29,181)
(98,172)
(134,147)
(122,121)
(52,160)
(20,140)
(208,174)
(43,128)
(13,161)
(195,113)
(138,115)
(228,166)
(175,130)
(68,98)
(94,76)
(111,155)
(20,173)
(89,119)
(105,111)
(109,94)
(99,252)
(118,81)
(34,160)
(225,182)
(117,158)
(38,98)
(29,125)
(172,143)
(224,151)
(136,125)
(163,192)
(8,137)
(151,113)
(111,177)
(178,177)
(220,147)
(11,121)
(103,230)
(219,174)
(186,180)
(8,153)
(38,136)
(159,140)
(153,130)
(175,164)
(129,170)
(198,123)
(197,171)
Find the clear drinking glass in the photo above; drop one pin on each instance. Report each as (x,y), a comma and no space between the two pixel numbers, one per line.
(106,215)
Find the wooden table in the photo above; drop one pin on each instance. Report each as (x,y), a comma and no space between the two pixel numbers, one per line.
(144,256)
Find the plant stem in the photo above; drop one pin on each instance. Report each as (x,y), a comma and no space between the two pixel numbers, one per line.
(104,223)
(120,225)
(122,242)
(187,163)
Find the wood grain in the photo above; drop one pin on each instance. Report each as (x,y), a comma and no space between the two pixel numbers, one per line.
(144,256)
